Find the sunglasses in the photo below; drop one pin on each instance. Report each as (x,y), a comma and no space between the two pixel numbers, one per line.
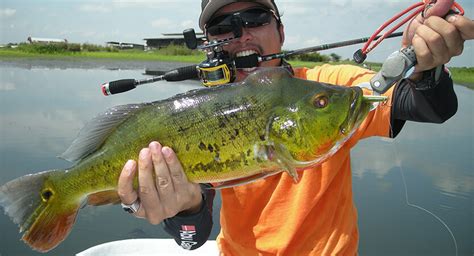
(251,18)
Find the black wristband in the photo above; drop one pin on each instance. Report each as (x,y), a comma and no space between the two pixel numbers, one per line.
(429,80)
(190,231)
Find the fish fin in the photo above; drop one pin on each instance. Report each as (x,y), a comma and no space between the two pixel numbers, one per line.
(51,228)
(284,159)
(243,181)
(103,198)
(18,198)
(267,76)
(96,131)
(45,224)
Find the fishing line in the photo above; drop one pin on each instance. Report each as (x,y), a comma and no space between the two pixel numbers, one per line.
(399,163)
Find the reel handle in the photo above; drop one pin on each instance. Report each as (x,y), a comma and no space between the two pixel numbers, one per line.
(190,38)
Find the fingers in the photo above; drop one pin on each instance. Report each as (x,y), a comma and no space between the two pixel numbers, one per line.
(187,195)
(163,182)
(430,48)
(163,188)
(436,41)
(125,189)
(146,189)
(444,32)
(463,24)
(175,168)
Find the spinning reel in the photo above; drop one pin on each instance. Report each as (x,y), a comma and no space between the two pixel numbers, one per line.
(219,68)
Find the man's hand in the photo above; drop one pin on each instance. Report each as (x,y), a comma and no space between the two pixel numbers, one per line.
(163,189)
(436,40)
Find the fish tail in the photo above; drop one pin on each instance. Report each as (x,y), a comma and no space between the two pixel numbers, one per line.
(31,202)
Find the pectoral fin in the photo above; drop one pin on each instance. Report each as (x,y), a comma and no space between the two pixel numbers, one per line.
(103,198)
(285,160)
(242,181)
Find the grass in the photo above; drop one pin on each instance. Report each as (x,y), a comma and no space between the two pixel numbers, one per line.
(461,75)
(172,53)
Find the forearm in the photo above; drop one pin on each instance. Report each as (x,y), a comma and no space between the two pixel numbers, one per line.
(190,231)
(435,105)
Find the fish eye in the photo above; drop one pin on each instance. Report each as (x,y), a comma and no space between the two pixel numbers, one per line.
(46,195)
(320,101)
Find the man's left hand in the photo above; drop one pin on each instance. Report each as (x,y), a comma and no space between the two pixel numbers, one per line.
(436,40)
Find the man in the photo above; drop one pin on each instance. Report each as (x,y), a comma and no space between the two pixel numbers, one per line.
(317,216)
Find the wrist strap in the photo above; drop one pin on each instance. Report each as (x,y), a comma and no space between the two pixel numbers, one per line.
(430,79)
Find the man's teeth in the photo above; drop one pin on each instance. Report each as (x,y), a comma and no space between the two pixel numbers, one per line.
(245,53)
(249,69)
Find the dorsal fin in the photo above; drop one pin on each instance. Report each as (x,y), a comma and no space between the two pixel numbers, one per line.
(94,133)
(266,76)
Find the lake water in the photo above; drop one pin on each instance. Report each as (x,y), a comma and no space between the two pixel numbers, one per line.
(43,104)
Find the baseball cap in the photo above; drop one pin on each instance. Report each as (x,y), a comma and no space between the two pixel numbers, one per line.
(209,7)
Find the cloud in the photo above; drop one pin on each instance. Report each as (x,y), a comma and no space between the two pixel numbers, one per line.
(188,24)
(313,41)
(141,3)
(341,3)
(94,8)
(294,9)
(7,12)
(162,23)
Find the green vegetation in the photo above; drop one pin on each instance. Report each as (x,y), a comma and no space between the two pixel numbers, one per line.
(178,53)
(463,76)
(66,51)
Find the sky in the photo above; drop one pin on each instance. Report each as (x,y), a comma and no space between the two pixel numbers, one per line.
(307,22)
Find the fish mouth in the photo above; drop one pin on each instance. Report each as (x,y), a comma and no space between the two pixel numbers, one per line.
(353,113)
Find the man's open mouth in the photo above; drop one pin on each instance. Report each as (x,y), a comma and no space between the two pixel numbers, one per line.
(244,54)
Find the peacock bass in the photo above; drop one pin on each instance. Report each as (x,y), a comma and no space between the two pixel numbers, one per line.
(231,134)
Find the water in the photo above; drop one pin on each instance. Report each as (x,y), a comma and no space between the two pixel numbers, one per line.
(42,108)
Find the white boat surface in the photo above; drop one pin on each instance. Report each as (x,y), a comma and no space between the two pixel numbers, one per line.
(148,246)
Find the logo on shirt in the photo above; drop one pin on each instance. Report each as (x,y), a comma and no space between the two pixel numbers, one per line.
(187,234)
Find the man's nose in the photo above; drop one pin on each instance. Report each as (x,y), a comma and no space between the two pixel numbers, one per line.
(246,35)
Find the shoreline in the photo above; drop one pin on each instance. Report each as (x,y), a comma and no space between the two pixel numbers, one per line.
(82,62)
(88,63)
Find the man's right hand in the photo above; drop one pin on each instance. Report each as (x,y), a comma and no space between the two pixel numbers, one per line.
(163,188)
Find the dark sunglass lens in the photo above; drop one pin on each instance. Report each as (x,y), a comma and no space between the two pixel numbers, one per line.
(219,30)
(251,18)
(256,17)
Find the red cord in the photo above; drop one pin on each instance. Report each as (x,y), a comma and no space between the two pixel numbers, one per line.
(459,8)
(420,7)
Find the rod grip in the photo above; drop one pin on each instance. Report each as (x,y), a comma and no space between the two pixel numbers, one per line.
(118,86)
(181,74)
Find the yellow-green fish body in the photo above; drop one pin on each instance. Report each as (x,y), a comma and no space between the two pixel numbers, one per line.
(270,122)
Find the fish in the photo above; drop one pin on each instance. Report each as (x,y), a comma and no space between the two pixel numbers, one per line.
(228,135)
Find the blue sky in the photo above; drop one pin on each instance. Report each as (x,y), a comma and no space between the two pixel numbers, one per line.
(308,22)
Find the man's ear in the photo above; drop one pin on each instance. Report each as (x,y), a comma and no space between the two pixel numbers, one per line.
(281,30)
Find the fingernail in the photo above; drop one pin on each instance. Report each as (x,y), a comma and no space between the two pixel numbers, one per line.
(154,147)
(167,152)
(451,18)
(144,153)
(129,166)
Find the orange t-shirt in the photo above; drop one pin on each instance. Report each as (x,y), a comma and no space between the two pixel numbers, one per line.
(316,216)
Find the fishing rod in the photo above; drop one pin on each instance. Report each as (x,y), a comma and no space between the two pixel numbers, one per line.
(220,68)
(193,71)
(251,58)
